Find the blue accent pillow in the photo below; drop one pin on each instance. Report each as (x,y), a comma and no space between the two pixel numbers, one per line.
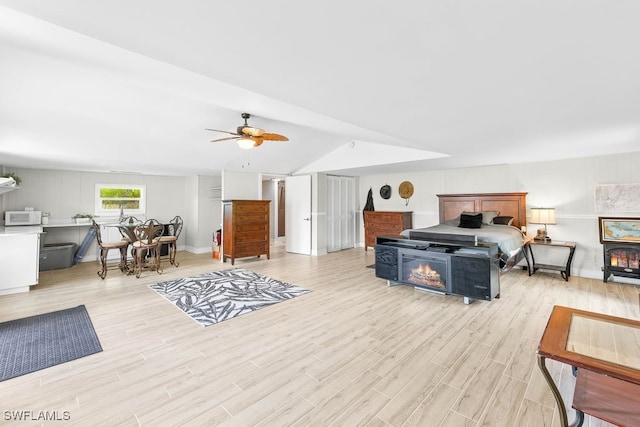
(470,221)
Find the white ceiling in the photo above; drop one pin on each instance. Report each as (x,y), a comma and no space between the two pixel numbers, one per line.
(358,86)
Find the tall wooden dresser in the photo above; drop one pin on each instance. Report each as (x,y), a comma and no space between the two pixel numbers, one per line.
(245,229)
(384,222)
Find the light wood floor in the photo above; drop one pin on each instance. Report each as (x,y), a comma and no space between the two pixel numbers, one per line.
(351,352)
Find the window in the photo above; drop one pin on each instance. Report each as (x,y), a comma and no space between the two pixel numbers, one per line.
(110,198)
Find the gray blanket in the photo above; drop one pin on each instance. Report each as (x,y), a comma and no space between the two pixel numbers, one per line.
(508,238)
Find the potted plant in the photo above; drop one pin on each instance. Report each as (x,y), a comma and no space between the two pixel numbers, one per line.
(82,218)
(12,175)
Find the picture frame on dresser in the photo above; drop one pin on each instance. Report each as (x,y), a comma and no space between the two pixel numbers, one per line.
(619,229)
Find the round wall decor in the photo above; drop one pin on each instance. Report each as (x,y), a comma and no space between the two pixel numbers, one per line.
(405,190)
(385,191)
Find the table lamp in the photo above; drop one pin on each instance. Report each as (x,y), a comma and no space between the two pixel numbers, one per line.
(543,216)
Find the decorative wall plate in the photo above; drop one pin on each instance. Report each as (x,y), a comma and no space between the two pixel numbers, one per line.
(385,191)
(405,190)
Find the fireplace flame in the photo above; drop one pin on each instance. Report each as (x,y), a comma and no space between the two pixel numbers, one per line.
(624,258)
(425,275)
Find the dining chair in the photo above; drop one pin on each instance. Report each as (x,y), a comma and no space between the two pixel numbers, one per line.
(105,247)
(147,243)
(127,227)
(174,229)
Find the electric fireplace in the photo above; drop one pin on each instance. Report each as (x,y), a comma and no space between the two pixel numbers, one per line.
(621,259)
(426,270)
(463,268)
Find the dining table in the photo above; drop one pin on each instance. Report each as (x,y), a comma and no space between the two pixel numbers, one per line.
(128,228)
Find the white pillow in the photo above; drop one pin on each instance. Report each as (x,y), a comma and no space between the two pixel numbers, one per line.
(487,216)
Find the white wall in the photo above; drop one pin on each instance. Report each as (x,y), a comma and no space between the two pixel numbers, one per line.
(566,185)
(241,185)
(65,193)
(209,211)
(204,208)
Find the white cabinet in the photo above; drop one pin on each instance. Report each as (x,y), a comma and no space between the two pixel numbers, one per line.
(19,261)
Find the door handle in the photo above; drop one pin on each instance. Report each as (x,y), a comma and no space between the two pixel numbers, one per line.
(307,219)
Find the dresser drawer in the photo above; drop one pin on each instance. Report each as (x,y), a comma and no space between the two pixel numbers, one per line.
(245,217)
(250,249)
(250,226)
(250,236)
(394,227)
(383,218)
(251,208)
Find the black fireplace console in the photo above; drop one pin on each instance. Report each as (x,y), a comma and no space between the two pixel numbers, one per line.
(444,266)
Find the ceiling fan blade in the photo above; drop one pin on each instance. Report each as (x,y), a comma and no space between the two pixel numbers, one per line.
(274,137)
(248,130)
(226,139)
(223,131)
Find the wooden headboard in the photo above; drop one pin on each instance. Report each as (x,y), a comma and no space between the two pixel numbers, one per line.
(508,204)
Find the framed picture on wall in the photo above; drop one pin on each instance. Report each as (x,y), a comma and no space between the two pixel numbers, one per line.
(619,229)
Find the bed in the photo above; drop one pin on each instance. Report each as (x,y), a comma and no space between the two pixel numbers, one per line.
(507,208)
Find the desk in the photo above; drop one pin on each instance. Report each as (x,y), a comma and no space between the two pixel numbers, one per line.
(565,270)
(66,224)
(86,240)
(605,352)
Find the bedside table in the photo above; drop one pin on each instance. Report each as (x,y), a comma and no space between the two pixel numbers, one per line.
(532,267)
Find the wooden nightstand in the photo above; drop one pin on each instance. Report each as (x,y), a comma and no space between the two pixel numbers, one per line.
(532,266)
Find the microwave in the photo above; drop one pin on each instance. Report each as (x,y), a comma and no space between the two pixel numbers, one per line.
(22,218)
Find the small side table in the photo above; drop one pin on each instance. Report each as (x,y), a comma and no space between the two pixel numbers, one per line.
(532,266)
(607,376)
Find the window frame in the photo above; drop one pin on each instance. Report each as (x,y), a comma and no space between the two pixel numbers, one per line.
(100,211)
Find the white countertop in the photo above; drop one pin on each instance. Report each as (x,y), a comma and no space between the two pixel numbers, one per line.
(70,222)
(20,229)
(67,224)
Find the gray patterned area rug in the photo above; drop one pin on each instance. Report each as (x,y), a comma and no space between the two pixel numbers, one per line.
(37,342)
(221,295)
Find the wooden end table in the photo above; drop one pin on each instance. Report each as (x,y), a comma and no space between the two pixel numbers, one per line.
(532,267)
(605,354)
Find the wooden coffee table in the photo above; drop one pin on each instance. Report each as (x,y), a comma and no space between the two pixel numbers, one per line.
(605,352)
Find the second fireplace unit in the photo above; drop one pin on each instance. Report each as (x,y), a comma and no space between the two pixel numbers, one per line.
(621,259)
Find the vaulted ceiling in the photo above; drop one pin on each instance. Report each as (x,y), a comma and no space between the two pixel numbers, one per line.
(359,87)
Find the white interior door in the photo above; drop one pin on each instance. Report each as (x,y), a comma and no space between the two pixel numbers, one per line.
(333,214)
(347,213)
(298,214)
(340,213)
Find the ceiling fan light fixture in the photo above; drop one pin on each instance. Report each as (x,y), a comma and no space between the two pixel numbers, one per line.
(246,143)
(249,137)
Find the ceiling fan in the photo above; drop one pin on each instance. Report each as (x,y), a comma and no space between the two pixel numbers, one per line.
(248,136)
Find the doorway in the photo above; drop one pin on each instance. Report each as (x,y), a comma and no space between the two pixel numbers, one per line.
(273,189)
(280,219)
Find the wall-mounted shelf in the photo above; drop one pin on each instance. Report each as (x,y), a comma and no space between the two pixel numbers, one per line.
(7,189)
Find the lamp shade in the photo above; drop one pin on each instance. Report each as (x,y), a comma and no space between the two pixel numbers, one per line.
(246,143)
(543,216)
